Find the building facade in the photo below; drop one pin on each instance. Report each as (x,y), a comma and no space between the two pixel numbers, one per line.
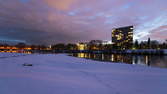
(82,46)
(122,38)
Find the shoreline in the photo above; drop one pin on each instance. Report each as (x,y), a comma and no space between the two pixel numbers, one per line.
(132,52)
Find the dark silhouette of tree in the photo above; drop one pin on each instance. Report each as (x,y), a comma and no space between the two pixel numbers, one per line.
(95,45)
(59,46)
(33,47)
(143,45)
(163,45)
(42,47)
(154,44)
(136,44)
(149,43)
(71,47)
(21,45)
(101,47)
(108,47)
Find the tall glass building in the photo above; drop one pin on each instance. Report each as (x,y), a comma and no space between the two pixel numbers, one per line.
(122,37)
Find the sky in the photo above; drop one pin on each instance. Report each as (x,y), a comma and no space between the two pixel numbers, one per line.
(57,21)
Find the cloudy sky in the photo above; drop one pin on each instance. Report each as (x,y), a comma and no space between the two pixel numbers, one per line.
(55,21)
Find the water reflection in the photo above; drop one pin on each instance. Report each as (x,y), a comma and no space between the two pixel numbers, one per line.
(147,60)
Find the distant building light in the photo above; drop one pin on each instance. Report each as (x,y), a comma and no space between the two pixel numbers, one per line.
(81,46)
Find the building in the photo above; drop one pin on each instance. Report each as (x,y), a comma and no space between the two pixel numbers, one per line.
(100,42)
(82,46)
(122,38)
(14,49)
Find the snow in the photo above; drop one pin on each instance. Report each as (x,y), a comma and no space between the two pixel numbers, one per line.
(62,74)
(7,55)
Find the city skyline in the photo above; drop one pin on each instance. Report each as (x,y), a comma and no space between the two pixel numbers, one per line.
(55,21)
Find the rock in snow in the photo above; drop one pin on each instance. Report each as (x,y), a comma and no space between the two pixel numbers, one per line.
(62,74)
(27,64)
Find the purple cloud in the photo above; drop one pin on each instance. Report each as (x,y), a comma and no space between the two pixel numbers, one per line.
(53,21)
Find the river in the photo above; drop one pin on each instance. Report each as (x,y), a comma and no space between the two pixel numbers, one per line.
(145,60)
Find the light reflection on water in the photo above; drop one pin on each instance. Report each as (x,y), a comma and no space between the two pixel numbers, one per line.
(146,60)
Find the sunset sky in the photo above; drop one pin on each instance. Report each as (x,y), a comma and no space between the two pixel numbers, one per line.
(55,21)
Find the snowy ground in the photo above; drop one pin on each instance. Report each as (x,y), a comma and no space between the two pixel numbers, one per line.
(8,55)
(62,74)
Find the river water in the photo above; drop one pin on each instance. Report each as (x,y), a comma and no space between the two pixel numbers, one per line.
(145,60)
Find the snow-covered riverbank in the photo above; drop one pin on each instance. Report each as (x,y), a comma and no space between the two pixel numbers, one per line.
(8,55)
(62,74)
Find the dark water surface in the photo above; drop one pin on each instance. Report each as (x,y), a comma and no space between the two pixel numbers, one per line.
(146,60)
